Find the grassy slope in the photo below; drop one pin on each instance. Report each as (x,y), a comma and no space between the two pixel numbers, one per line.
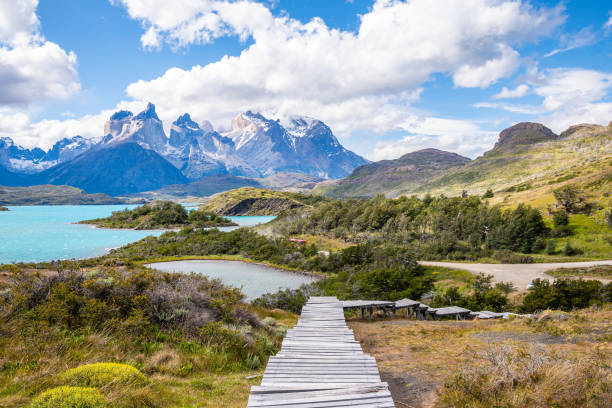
(53,195)
(392,177)
(529,174)
(256,201)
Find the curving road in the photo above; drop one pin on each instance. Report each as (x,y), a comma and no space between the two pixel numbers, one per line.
(519,274)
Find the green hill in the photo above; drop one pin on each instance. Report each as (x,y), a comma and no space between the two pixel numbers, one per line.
(393,177)
(529,162)
(257,201)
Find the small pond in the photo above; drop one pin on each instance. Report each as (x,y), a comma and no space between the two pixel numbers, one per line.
(254,279)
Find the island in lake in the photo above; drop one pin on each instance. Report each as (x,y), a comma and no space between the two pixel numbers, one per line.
(160,215)
(3,208)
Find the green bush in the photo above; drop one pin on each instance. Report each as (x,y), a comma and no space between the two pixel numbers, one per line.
(70,397)
(564,294)
(101,374)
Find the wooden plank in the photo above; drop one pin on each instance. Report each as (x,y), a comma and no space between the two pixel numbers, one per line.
(320,364)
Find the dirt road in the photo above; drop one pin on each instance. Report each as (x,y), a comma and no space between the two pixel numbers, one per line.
(519,274)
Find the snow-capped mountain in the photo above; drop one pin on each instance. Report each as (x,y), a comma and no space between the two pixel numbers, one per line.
(200,151)
(145,129)
(29,161)
(303,145)
(254,147)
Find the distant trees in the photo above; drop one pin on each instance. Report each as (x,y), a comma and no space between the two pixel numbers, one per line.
(449,227)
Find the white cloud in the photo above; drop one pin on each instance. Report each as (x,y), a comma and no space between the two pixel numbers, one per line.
(352,80)
(569,96)
(460,136)
(569,88)
(31,68)
(517,92)
(482,76)
(582,38)
(365,80)
(608,24)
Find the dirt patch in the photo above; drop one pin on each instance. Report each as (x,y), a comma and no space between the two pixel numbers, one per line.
(410,390)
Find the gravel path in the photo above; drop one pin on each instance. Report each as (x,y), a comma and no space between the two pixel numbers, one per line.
(519,274)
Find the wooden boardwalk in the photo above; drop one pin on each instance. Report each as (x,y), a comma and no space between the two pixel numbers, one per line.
(320,364)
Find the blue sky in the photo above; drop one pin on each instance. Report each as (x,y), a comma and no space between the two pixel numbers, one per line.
(389,76)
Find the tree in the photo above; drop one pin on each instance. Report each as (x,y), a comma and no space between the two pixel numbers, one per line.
(570,200)
(560,218)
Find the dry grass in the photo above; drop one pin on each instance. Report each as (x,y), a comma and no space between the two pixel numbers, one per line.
(433,363)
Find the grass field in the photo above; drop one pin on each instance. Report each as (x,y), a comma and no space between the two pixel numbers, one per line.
(552,362)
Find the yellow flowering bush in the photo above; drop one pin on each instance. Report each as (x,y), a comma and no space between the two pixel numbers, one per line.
(70,397)
(101,374)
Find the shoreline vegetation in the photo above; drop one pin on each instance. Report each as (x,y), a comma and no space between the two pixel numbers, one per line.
(160,215)
(3,208)
(233,258)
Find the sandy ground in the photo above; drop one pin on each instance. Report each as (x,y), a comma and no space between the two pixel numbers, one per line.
(519,274)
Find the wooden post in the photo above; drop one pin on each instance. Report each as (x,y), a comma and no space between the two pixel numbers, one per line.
(371,309)
(394,312)
(362,312)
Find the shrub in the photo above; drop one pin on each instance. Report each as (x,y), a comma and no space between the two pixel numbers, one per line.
(563,294)
(551,247)
(569,250)
(508,257)
(70,397)
(101,374)
(560,218)
(488,194)
(561,231)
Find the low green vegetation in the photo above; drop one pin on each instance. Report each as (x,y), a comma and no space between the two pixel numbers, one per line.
(135,336)
(600,271)
(160,215)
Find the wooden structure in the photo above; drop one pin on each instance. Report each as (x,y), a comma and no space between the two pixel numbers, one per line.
(419,310)
(320,364)
(369,305)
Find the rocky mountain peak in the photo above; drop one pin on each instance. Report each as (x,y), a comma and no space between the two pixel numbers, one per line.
(524,133)
(185,121)
(121,115)
(148,113)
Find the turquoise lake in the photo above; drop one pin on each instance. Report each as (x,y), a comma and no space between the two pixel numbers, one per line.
(45,233)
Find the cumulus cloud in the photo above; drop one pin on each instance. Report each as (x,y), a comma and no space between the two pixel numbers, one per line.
(460,136)
(362,80)
(365,80)
(31,68)
(517,92)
